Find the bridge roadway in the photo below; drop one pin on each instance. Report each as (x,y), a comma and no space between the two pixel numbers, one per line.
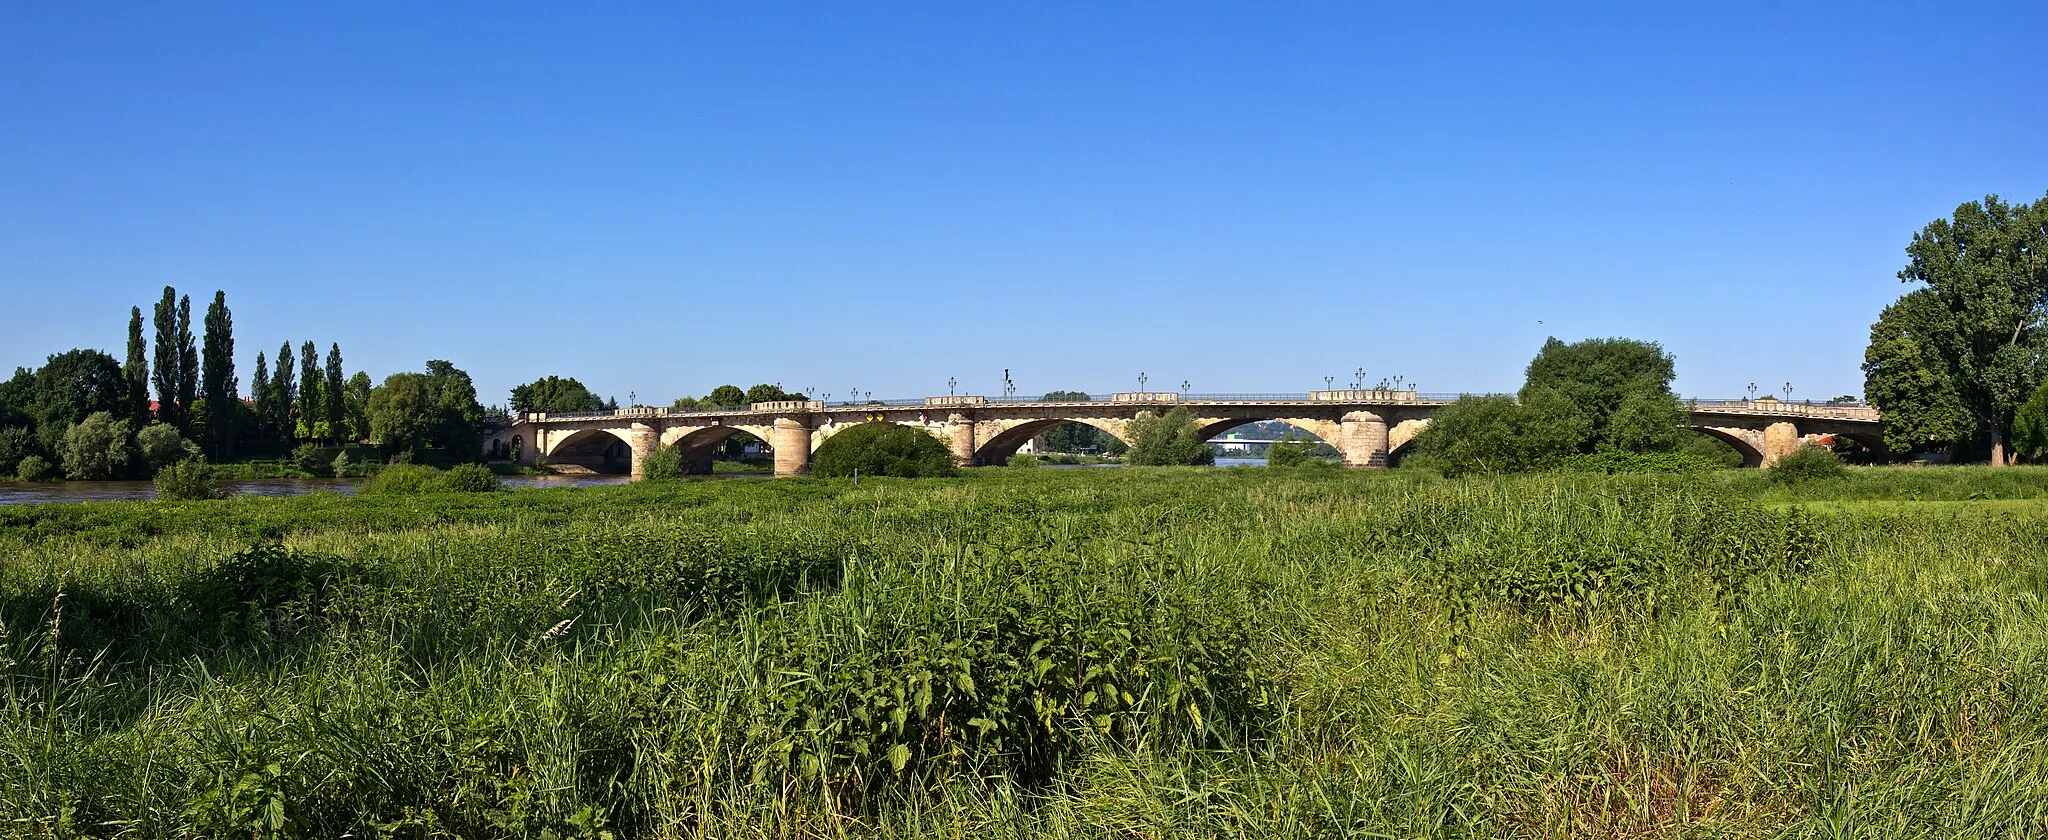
(1367,426)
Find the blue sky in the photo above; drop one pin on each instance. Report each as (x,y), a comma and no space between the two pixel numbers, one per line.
(659,198)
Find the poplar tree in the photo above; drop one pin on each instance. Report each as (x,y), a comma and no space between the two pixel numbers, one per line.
(136,371)
(188,366)
(311,407)
(284,393)
(164,372)
(331,391)
(222,392)
(259,392)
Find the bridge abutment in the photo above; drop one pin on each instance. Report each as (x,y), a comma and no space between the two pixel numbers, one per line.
(960,437)
(1363,437)
(1780,439)
(643,439)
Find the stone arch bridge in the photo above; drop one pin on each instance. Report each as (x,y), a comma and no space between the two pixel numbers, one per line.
(1367,426)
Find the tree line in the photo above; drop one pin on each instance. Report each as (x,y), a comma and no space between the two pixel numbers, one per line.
(84,415)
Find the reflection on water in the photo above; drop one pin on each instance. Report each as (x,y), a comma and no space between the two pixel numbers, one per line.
(113,491)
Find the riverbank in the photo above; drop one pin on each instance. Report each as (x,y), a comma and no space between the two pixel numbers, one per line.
(1114,653)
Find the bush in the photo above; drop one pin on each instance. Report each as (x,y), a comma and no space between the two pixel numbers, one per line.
(32,468)
(1024,460)
(340,465)
(1291,452)
(97,448)
(397,479)
(309,458)
(1169,440)
(1806,463)
(1495,434)
(663,464)
(467,478)
(185,481)
(883,449)
(161,446)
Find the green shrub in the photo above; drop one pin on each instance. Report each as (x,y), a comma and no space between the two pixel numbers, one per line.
(97,448)
(1291,452)
(467,478)
(397,479)
(1166,440)
(340,465)
(32,468)
(1807,463)
(663,464)
(883,449)
(161,446)
(1024,459)
(310,458)
(185,481)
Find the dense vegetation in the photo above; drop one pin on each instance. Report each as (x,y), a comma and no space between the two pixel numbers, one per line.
(1027,652)
(883,449)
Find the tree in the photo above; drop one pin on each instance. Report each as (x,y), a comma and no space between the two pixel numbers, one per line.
(554,394)
(161,446)
(259,393)
(331,393)
(1168,440)
(188,364)
(2029,426)
(1985,329)
(1903,378)
(769,393)
(223,396)
(356,404)
(1291,451)
(167,356)
(136,370)
(402,418)
(461,416)
(312,406)
(1496,434)
(97,447)
(283,394)
(725,396)
(1600,377)
(883,449)
(71,386)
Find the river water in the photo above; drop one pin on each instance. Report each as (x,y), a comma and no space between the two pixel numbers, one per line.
(116,491)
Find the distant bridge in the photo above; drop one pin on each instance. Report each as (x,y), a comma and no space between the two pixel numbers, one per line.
(1368,427)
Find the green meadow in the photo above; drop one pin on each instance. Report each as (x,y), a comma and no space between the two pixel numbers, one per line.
(1133,652)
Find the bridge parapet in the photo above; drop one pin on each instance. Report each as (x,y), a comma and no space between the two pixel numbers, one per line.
(955,401)
(1836,411)
(1375,395)
(790,405)
(1145,397)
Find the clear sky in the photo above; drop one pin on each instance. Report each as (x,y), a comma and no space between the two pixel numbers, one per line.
(658,198)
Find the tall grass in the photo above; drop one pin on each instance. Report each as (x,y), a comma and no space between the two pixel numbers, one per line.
(1085,653)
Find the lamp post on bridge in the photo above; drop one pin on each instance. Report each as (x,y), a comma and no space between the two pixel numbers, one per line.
(1358,379)
(1752,392)
(1184,387)
(1329,382)
(951,383)
(1141,382)
(1788,392)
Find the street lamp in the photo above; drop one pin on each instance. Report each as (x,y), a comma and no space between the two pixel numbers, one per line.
(1788,392)
(1752,392)
(1358,379)
(1183,387)
(1329,382)
(951,383)
(1141,382)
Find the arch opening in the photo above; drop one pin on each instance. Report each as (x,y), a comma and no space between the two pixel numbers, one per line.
(1054,436)
(592,450)
(1250,442)
(1751,456)
(724,449)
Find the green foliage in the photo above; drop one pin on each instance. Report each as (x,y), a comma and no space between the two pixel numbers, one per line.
(1713,449)
(341,466)
(2029,426)
(663,464)
(883,449)
(769,393)
(185,481)
(725,396)
(1807,463)
(135,371)
(1292,451)
(310,458)
(16,443)
(432,410)
(160,446)
(68,388)
(217,380)
(1980,328)
(1171,439)
(554,394)
(1904,377)
(400,480)
(175,359)
(1622,387)
(468,478)
(1495,434)
(33,468)
(98,448)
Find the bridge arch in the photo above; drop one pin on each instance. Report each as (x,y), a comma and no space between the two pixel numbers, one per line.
(700,445)
(597,450)
(1317,431)
(1747,443)
(998,448)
